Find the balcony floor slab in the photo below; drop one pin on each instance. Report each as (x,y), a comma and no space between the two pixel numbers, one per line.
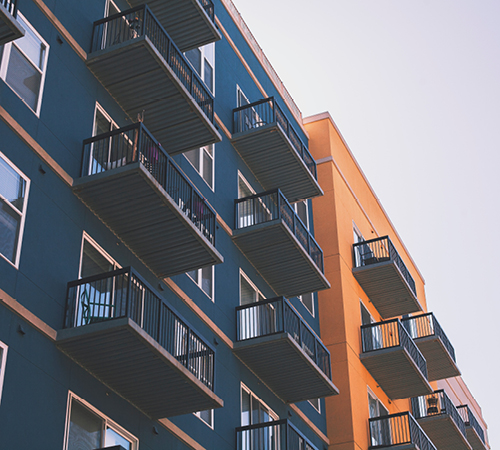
(440,364)
(443,432)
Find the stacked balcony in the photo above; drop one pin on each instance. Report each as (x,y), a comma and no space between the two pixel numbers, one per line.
(191,23)
(278,244)
(474,431)
(120,330)
(10,29)
(139,192)
(276,435)
(283,351)
(273,150)
(393,359)
(142,68)
(398,432)
(441,421)
(434,345)
(384,277)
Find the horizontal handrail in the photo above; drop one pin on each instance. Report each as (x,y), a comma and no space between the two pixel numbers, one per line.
(380,250)
(264,112)
(10,6)
(277,435)
(470,420)
(134,143)
(276,315)
(388,334)
(140,21)
(124,293)
(272,205)
(437,403)
(424,325)
(398,429)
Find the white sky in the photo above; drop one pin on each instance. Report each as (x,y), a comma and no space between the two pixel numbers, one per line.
(414,87)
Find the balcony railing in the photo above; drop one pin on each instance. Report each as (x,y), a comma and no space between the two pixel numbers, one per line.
(266,111)
(133,144)
(140,21)
(391,333)
(208,6)
(123,293)
(471,421)
(381,250)
(276,315)
(273,205)
(10,6)
(398,429)
(276,435)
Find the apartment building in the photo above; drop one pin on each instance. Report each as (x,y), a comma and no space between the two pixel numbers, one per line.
(398,376)
(158,266)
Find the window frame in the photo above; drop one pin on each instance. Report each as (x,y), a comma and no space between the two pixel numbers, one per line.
(272,414)
(104,253)
(210,425)
(205,60)
(306,203)
(3,364)
(22,214)
(313,312)
(201,151)
(199,283)
(5,59)
(318,409)
(258,294)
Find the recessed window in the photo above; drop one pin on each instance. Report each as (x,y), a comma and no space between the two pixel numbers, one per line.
(253,409)
(14,187)
(94,260)
(204,278)
(248,291)
(203,61)
(3,362)
(308,301)
(24,64)
(316,404)
(302,210)
(202,159)
(380,429)
(206,416)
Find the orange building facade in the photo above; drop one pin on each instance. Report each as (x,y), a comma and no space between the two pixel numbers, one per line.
(400,386)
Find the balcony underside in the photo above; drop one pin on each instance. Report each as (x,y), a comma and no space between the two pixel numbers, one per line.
(277,254)
(139,211)
(138,78)
(387,289)
(398,447)
(285,368)
(10,29)
(184,20)
(474,440)
(273,160)
(125,358)
(443,432)
(396,372)
(440,364)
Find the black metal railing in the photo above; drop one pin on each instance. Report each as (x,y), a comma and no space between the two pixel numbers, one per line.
(398,429)
(135,143)
(276,315)
(138,22)
(124,293)
(266,111)
(272,205)
(208,6)
(437,403)
(380,250)
(275,435)
(10,5)
(391,333)
(425,325)
(470,420)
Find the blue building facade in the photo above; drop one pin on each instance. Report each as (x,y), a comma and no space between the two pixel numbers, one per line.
(158,266)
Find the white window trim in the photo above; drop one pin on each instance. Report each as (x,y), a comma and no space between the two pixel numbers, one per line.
(106,7)
(6,56)
(91,241)
(204,58)
(107,421)
(244,387)
(211,426)
(22,214)
(212,294)
(3,365)
(248,185)
(307,211)
(318,409)
(251,283)
(313,312)
(200,172)
(374,397)
(239,92)
(99,108)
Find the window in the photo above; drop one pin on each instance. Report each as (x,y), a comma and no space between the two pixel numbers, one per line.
(302,210)
(103,123)
(203,61)
(24,63)
(94,260)
(3,362)
(241,98)
(372,336)
(253,409)
(248,292)
(206,416)
(244,188)
(202,159)
(316,404)
(88,429)
(14,188)
(204,278)
(308,301)
(380,429)
(110,8)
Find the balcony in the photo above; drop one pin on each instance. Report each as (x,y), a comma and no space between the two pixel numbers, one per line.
(434,345)
(120,330)
(139,192)
(393,359)
(278,244)
(440,420)
(138,63)
(191,23)
(276,435)
(10,29)
(474,431)
(398,432)
(282,350)
(385,278)
(273,151)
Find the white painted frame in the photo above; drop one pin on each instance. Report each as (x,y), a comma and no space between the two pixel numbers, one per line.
(3,365)
(200,278)
(209,425)
(200,151)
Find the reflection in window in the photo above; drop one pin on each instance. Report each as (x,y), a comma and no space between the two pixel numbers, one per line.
(204,278)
